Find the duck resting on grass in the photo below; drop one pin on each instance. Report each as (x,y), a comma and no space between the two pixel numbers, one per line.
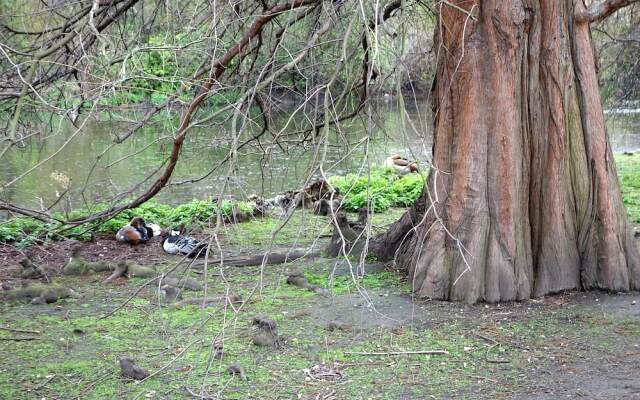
(176,243)
(401,165)
(137,231)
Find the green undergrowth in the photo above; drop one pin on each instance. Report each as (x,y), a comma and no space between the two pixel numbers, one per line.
(381,189)
(195,212)
(75,353)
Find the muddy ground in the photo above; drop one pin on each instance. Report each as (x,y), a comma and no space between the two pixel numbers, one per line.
(332,346)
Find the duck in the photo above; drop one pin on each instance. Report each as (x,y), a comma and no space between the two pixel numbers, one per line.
(175,242)
(137,232)
(401,165)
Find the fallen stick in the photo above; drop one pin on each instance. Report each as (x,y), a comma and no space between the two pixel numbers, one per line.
(483,377)
(259,259)
(498,360)
(6,328)
(198,300)
(17,339)
(394,353)
(487,338)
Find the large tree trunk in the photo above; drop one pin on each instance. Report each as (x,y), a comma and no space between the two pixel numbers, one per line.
(523,198)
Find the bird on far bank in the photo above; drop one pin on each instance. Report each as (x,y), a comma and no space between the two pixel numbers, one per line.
(401,165)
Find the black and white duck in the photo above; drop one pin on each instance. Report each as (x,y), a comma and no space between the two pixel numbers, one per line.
(175,242)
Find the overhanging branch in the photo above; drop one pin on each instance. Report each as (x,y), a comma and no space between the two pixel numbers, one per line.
(601,10)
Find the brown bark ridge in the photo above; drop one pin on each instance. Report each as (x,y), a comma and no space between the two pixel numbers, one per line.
(523,198)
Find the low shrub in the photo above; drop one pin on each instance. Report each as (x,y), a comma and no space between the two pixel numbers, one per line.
(381,189)
(26,230)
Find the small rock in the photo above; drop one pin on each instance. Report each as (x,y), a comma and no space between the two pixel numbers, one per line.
(38,300)
(132,371)
(237,369)
(219,354)
(265,339)
(633,303)
(265,324)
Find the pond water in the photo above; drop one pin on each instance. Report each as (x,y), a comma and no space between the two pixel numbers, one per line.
(122,167)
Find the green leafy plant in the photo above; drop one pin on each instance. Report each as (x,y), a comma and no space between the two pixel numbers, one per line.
(27,230)
(382,188)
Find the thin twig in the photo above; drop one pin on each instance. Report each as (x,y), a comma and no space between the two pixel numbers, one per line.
(394,353)
(6,328)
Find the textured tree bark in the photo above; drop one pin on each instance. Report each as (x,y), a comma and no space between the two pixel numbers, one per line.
(523,199)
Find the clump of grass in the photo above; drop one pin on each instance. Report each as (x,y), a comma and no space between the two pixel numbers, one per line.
(381,189)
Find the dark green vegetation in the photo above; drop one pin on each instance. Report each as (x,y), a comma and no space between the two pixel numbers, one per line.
(383,186)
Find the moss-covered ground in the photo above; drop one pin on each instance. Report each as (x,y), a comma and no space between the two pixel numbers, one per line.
(494,351)
(576,345)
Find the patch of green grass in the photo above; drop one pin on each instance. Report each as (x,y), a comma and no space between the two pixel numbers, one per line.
(346,283)
(628,167)
(302,228)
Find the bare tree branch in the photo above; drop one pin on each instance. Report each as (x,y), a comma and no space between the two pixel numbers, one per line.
(599,11)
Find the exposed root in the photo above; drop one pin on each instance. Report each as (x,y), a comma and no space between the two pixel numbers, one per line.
(259,259)
(183,283)
(234,299)
(39,294)
(79,266)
